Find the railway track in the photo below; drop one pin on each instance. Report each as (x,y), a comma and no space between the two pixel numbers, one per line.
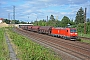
(81,51)
(85,38)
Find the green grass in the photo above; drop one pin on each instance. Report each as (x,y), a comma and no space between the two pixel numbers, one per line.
(4,53)
(28,50)
(86,41)
(84,35)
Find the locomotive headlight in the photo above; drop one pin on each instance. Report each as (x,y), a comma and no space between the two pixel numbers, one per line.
(75,33)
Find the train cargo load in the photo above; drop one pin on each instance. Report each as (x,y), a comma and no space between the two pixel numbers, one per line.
(35,28)
(45,29)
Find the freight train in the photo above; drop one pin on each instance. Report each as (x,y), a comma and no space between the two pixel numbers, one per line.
(65,33)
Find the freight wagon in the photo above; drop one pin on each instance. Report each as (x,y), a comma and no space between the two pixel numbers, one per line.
(35,28)
(45,29)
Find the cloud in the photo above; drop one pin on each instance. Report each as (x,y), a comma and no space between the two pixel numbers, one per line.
(43,8)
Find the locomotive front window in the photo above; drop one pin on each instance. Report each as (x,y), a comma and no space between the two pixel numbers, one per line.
(72,30)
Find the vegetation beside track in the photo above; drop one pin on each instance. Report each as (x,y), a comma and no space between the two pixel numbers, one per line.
(85,41)
(28,50)
(84,35)
(4,52)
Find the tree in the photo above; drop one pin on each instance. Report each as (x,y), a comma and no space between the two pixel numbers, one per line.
(22,22)
(51,22)
(72,22)
(6,21)
(42,23)
(52,17)
(88,20)
(79,16)
(65,20)
(15,22)
(58,23)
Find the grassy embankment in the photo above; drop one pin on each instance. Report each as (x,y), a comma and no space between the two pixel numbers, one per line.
(4,53)
(84,35)
(28,50)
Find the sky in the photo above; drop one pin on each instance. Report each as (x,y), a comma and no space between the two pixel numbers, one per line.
(30,10)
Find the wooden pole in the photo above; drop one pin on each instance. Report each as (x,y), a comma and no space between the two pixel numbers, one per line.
(85,21)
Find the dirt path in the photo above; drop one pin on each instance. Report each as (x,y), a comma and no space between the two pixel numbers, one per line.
(11,50)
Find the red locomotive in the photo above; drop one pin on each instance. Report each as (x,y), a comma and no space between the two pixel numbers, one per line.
(66,33)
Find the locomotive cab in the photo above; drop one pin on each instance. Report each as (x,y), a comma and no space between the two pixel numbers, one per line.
(73,34)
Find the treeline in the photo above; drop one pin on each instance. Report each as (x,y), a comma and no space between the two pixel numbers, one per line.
(77,23)
(80,18)
(14,21)
(54,22)
(80,27)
